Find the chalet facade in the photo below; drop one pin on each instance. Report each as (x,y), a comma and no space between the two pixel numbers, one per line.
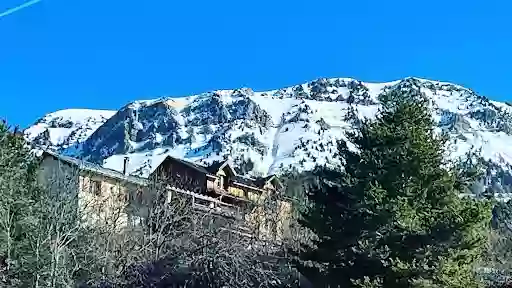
(216,188)
(218,180)
(103,194)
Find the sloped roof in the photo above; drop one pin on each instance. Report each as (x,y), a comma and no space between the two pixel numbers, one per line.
(187,163)
(214,167)
(245,180)
(95,168)
(260,182)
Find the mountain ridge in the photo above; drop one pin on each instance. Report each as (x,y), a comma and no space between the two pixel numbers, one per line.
(264,132)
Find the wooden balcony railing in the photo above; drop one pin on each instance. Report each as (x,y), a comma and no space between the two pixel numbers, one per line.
(210,204)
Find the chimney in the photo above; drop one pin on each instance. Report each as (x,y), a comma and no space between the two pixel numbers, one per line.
(125,164)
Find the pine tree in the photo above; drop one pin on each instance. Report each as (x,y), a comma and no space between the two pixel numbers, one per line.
(499,253)
(18,204)
(393,217)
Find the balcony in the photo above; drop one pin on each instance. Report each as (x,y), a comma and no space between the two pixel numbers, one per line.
(210,204)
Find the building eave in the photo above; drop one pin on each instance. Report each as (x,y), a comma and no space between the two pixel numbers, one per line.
(84,166)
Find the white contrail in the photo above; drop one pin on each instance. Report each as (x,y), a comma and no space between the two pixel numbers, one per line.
(22,6)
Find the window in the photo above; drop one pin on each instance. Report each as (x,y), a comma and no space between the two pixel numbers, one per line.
(221,181)
(122,196)
(95,187)
(138,196)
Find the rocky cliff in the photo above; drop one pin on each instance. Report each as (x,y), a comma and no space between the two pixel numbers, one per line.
(270,131)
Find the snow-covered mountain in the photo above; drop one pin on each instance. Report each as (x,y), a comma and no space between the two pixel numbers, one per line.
(66,128)
(266,132)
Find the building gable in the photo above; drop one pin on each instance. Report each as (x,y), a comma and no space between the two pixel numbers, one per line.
(168,161)
(181,174)
(221,168)
(274,182)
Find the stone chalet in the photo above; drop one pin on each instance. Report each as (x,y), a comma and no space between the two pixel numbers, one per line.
(216,188)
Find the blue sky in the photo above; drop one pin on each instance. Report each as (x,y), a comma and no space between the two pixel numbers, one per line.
(61,54)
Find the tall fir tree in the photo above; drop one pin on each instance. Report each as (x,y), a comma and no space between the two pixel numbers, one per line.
(394,216)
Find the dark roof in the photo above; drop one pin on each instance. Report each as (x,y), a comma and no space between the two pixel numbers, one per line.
(260,182)
(197,167)
(92,167)
(245,181)
(214,167)
(211,169)
(267,177)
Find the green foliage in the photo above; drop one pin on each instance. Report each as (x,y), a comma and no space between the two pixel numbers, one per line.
(393,217)
(18,207)
(498,256)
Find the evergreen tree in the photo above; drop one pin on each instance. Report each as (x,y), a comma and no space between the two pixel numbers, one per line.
(393,217)
(499,253)
(18,209)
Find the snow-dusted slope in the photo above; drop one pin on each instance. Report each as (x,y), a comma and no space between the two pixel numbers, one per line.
(66,128)
(266,132)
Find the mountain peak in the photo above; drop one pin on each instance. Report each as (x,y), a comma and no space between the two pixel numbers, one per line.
(268,131)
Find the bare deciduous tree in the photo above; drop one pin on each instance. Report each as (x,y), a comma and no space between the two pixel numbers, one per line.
(133,235)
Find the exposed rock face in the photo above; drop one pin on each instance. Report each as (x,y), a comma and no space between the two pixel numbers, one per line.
(248,111)
(66,128)
(136,127)
(267,132)
(207,110)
